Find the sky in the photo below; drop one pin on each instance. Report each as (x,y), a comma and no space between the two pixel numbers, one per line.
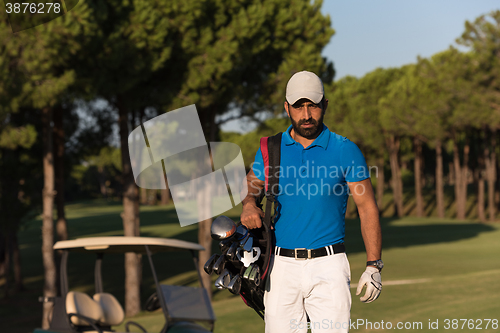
(390,33)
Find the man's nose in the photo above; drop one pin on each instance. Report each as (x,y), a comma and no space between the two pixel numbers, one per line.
(307,114)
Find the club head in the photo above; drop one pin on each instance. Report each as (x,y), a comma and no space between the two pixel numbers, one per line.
(231,253)
(248,244)
(219,265)
(223,228)
(234,285)
(254,275)
(209,265)
(224,245)
(241,232)
(219,283)
(247,272)
(224,279)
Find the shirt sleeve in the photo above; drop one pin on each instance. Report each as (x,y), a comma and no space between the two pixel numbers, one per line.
(258,166)
(354,163)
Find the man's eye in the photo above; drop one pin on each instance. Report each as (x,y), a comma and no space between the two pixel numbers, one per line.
(310,106)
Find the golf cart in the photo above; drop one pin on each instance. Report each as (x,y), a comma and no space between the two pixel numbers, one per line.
(184,308)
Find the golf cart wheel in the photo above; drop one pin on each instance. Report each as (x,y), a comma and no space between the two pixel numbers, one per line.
(152,303)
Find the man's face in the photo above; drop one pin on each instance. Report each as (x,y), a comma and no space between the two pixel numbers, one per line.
(306,117)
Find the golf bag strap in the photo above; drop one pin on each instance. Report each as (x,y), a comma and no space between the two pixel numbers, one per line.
(271,154)
(270,148)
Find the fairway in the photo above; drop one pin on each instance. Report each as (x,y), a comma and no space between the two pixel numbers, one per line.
(437,271)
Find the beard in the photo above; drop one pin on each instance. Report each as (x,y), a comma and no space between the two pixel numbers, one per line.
(311,132)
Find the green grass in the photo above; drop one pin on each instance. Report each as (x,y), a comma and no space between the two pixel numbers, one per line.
(455,262)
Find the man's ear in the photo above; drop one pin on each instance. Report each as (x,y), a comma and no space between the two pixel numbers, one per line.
(286,105)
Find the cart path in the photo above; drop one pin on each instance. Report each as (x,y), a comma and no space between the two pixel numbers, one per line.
(397,282)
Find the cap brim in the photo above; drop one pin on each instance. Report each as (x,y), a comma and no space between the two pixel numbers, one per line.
(312,96)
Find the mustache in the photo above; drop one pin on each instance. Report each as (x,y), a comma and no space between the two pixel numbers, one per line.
(307,121)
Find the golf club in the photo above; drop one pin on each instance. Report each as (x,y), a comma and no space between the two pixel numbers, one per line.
(254,275)
(231,253)
(235,285)
(223,228)
(223,280)
(219,265)
(209,265)
(224,245)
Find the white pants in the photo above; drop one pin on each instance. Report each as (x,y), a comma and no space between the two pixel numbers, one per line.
(316,288)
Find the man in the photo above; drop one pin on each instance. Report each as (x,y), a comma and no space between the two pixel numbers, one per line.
(318,170)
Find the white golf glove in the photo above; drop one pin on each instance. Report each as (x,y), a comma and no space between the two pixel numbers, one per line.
(373,281)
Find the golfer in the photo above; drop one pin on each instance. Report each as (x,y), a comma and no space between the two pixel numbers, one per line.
(310,273)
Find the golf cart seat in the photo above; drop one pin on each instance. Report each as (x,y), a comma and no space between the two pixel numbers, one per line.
(113,313)
(102,312)
(82,310)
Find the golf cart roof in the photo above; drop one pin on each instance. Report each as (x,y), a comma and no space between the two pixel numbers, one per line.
(122,244)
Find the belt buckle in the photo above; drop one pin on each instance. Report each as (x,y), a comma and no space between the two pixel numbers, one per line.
(304,249)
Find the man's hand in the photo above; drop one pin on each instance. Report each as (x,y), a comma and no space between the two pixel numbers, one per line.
(373,281)
(251,217)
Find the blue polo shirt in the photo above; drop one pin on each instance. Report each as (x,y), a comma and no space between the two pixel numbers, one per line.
(313,189)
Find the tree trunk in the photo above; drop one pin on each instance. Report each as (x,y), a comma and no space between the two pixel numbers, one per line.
(497,172)
(418,176)
(152,197)
(464,177)
(16,262)
(393,143)
(491,168)
(61,226)
(6,266)
(137,222)
(165,194)
(439,180)
(102,181)
(380,184)
(132,278)
(204,238)
(459,181)
(2,254)
(451,173)
(144,196)
(458,174)
(480,199)
(479,180)
(49,289)
(204,201)
(9,208)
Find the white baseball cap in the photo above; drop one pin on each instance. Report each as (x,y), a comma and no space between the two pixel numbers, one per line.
(304,85)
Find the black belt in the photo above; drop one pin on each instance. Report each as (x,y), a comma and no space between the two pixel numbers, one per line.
(303,253)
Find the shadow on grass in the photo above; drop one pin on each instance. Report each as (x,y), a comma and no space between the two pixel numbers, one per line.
(395,235)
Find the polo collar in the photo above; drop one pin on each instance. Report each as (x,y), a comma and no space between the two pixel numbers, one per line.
(321,141)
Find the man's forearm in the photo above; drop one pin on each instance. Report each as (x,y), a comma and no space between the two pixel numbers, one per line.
(252,195)
(371,232)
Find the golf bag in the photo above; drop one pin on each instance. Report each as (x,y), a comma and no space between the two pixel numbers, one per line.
(243,265)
